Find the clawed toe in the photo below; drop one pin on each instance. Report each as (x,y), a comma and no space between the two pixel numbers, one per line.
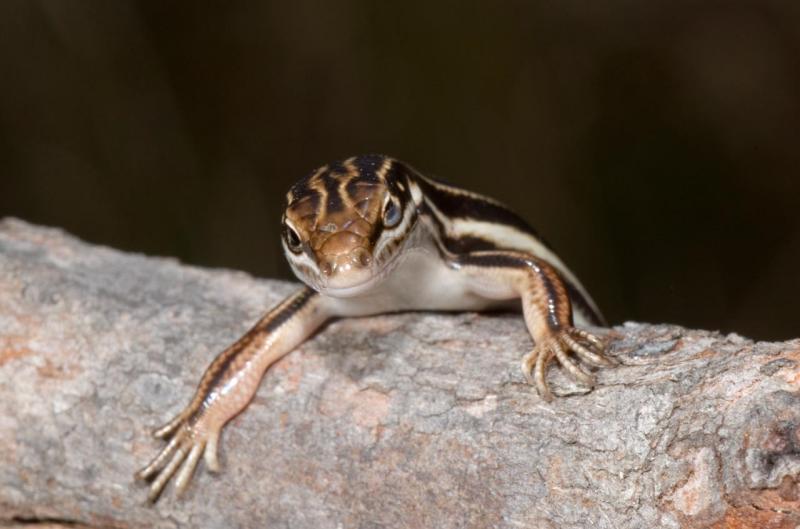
(180,457)
(533,367)
(587,348)
(148,472)
(168,429)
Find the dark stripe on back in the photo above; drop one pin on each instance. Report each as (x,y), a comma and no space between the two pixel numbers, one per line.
(469,207)
(468,243)
(464,206)
(456,245)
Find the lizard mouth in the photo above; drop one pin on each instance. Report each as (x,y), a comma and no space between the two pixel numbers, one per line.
(355,281)
(347,291)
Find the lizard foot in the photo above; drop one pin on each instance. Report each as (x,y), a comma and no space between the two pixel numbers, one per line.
(189,438)
(586,346)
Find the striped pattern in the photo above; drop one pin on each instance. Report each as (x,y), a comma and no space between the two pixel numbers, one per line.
(467,222)
(226,364)
(545,278)
(460,221)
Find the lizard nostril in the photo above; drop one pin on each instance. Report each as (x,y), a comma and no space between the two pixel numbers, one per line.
(364,258)
(326,268)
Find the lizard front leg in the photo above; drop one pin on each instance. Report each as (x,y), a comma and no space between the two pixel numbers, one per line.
(227,387)
(546,308)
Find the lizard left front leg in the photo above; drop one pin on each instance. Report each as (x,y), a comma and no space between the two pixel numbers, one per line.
(546,308)
(227,387)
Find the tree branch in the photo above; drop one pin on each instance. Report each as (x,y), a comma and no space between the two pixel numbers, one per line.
(411,420)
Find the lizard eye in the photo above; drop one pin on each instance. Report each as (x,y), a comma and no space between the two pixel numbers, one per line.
(292,239)
(391,213)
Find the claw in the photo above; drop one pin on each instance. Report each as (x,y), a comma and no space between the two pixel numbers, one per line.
(170,428)
(559,345)
(179,458)
(542,359)
(574,369)
(597,342)
(185,473)
(527,364)
(210,455)
(158,485)
(147,472)
(584,353)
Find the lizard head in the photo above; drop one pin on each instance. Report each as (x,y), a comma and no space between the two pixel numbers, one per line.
(346,223)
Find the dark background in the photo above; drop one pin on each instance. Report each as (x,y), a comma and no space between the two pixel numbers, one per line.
(654,143)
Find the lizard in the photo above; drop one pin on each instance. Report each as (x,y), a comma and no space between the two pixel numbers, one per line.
(371,235)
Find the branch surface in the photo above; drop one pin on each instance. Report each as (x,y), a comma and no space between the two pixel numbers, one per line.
(410,420)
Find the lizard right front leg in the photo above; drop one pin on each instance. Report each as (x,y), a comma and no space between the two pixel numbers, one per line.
(227,387)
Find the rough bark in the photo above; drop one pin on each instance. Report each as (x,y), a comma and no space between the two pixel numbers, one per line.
(412,420)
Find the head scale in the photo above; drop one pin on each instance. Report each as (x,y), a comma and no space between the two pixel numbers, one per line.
(346,222)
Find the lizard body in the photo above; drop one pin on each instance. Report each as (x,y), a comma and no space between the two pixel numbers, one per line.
(371,235)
